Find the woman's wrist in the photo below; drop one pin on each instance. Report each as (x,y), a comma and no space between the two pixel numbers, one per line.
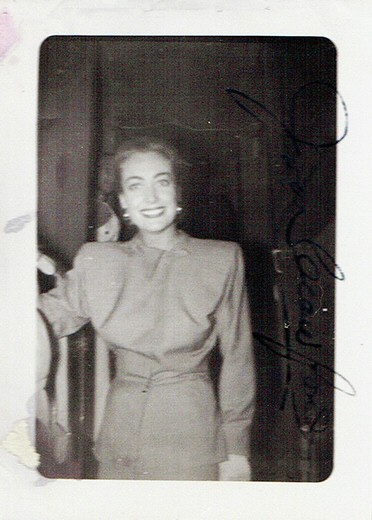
(236,467)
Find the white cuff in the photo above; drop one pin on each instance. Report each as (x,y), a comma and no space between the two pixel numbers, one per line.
(236,467)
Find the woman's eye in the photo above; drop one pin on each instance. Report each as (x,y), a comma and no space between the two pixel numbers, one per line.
(133,187)
(164,182)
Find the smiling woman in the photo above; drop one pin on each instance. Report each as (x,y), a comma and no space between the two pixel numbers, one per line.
(254,118)
(148,195)
(162,302)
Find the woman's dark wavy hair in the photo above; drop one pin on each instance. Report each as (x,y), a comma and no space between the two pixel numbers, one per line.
(146,144)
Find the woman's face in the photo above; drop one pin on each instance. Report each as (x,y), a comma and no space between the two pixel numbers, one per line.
(149,191)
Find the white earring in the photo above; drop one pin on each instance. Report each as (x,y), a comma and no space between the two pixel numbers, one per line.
(179,210)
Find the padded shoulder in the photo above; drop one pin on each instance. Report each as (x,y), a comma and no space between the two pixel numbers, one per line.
(215,254)
(93,253)
(214,247)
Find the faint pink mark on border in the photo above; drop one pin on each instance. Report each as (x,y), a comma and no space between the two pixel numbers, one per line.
(8,34)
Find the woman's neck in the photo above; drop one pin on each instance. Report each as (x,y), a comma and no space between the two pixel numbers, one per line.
(160,240)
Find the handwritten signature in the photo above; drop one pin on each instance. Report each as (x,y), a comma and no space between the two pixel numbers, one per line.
(310,261)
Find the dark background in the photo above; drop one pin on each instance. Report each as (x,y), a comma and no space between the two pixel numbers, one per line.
(96,92)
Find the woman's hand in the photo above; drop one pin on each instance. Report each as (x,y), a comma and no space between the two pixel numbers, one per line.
(43,352)
(43,357)
(45,264)
(236,467)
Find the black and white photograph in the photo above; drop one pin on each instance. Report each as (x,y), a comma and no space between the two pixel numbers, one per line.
(180,253)
(186,206)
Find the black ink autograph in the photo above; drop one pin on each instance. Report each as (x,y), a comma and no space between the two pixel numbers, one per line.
(309,272)
(264,115)
(323,372)
(310,261)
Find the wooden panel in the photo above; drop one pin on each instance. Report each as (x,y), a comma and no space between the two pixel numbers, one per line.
(66,143)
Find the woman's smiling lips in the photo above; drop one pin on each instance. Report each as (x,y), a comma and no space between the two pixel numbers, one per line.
(152,212)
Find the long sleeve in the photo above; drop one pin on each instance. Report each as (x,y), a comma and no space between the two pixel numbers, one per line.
(237,378)
(65,306)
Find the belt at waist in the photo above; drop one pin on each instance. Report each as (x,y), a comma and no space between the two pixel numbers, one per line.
(161,378)
(132,366)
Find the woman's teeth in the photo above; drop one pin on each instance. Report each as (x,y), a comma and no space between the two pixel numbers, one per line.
(152,213)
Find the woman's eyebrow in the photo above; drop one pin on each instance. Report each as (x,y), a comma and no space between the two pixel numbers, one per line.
(139,178)
(163,173)
(133,177)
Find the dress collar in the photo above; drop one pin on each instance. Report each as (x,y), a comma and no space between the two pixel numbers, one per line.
(180,247)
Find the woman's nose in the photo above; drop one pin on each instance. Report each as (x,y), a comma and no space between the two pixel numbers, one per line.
(151,194)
